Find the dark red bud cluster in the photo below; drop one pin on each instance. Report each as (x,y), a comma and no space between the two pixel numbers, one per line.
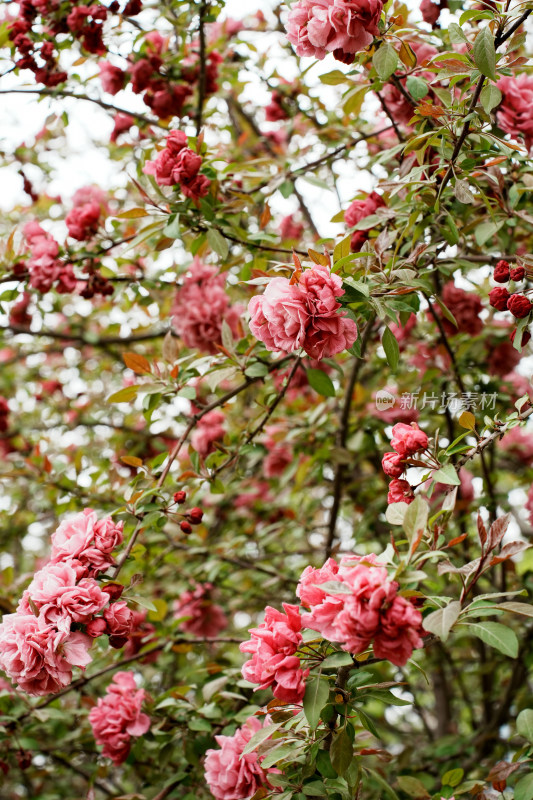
(114,590)
(180,497)
(96,284)
(195,516)
(185,527)
(501,272)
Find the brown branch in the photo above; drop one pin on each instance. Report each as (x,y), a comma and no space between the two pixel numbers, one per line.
(342,435)
(203,75)
(73,337)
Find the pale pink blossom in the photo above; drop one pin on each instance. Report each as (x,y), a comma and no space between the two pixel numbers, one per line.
(59,600)
(38,657)
(119,619)
(274,662)
(342,27)
(287,317)
(202,306)
(229,774)
(290,229)
(117,717)
(84,542)
(518,443)
(203,617)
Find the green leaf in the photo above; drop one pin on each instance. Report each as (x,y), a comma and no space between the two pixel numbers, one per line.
(315,698)
(124,395)
(260,736)
(453,777)
(447,475)
(412,786)
(391,347)
(321,382)
(485,53)
(173,229)
(496,635)
(341,752)
(218,243)
(456,34)
(523,790)
(416,87)
(385,61)
(442,620)
(337,660)
(277,754)
(490,97)
(333,78)
(486,231)
(517,608)
(524,724)
(342,249)
(415,518)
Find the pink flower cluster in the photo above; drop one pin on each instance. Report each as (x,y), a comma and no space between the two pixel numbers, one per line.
(203,617)
(84,219)
(44,266)
(202,306)
(304,314)
(177,164)
(41,642)
(357,211)
(341,27)
(117,717)
(465,307)
(290,229)
(280,453)
(209,430)
(367,608)
(515,114)
(406,441)
(274,662)
(229,774)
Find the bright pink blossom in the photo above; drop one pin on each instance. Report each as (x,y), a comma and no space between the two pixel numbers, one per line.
(357,211)
(392,465)
(38,657)
(515,114)
(408,439)
(209,430)
(400,491)
(287,317)
(45,268)
(366,609)
(80,541)
(117,717)
(274,662)
(83,221)
(202,306)
(341,27)
(112,77)
(465,307)
(204,618)
(229,774)
(290,229)
(119,619)
(178,164)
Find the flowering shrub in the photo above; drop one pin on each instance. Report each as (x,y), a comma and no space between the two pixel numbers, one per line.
(266,308)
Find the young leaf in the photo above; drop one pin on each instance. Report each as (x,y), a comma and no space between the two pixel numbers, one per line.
(524,724)
(442,620)
(139,364)
(341,752)
(496,635)
(218,243)
(385,61)
(491,97)
(391,347)
(315,698)
(321,382)
(485,53)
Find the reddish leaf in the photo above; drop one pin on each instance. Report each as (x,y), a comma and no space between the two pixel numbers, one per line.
(497,531)
(502,770)
(139,364)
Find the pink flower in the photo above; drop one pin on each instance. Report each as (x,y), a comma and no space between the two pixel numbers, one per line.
(392,464)
(204,618)
(209,430)
(529,504)
(38,657)
(280,454)
(43,265)
(178,164)
(289,229)
(274,663)
(108,535)
(83,221)
(356,212)
(343,27)
(308,590)
(123,123)
(117,717)
(229,774)
(515,114)
(465,307)
(112,77)
(287,317)
(366,609)
(75,541)
(202,306)
(59,599)
(408,439)
(430,12)
(400,492)
(518,444)
(119,619)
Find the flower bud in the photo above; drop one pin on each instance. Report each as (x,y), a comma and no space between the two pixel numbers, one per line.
(195,515)
(96,627)
(114,590)
(519,305)
(501,272)
(185,527)
(518,274)
(498,298)
(526,336)
(180,497)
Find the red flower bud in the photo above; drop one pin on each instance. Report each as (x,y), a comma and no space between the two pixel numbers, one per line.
(498,298)
(526,336)
(185,527)
(517,274)
(519,305)
(114,590)
(392,465)
(180,497)
(195,516)
(96,627)
(501,272)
